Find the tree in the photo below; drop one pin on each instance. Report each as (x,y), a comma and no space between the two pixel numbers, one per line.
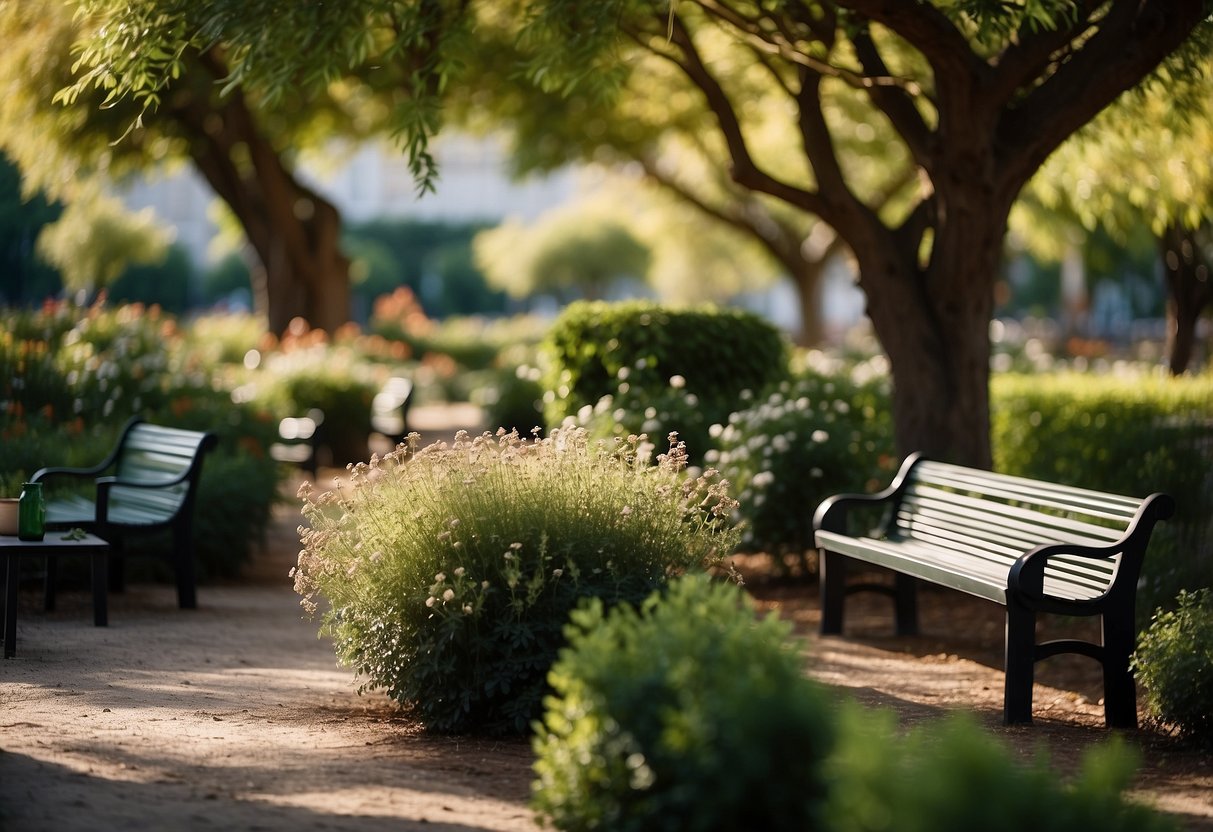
(241,145)
(95,240)
(1146,162)
(582,250)
(977,94)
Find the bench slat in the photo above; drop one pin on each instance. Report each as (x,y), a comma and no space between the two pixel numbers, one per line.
(1046,495)
(1015,516)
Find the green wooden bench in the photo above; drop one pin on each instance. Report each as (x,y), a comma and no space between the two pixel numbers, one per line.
(1033,547)
(148,484)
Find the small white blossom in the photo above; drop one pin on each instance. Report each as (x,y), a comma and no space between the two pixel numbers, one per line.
(449,595)
(459,572)
(429,602)
(440,577)
(556,573)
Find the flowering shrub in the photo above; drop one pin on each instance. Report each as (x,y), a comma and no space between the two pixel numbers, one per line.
(1174,660)
(638,367)
(450,571)
(826,432)
(685,714)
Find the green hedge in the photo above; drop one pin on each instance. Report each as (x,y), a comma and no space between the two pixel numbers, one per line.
(638,367)
(1125,435)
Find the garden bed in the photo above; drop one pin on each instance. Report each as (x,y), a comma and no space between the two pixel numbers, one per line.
(235,715)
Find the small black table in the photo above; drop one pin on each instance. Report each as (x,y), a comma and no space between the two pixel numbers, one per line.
(54,544)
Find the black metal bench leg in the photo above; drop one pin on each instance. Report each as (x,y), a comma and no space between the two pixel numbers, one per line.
(905,601)
(1019,662)
(1119,689)
(833,592)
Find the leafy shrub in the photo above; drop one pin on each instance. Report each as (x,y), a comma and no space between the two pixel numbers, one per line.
(1174,661)
(828,431)
(1125,434)
(637,367)
(951,776)
(685,714)
(450,573)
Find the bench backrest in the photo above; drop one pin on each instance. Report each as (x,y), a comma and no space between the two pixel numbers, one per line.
(998,518)
(157,455)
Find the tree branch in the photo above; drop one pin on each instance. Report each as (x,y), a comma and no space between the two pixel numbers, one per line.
(745,170)
(1127,44)
(894,102)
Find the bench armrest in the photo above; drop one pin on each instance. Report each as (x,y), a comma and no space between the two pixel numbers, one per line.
(100,467)
(831,515)
(1027,573)
(79,473)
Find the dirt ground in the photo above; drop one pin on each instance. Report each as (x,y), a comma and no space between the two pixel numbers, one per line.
(235,716)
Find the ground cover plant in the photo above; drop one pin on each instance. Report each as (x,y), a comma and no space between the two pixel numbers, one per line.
(450,571)
(1174,661)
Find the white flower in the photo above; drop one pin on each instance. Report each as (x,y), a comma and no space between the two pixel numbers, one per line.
(820,436)
(429,602)
(459,572)
(440,577)
(678,382)
(556,573)
(467,609)
(448,595)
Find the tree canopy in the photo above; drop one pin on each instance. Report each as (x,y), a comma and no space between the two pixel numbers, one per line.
(972,95)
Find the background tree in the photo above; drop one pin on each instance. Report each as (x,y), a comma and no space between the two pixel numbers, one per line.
(978,94)
(1145,162)
(571,251)
(242,145)
(96,239)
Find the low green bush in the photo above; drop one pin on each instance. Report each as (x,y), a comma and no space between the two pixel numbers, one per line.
(1174,661)
(450,572)
(827,431)
(684,714)
(952,776)
(1124,434)
(638,367)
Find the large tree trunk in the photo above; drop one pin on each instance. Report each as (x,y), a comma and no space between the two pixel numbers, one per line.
(1189,291)
(938,350)
(294,231)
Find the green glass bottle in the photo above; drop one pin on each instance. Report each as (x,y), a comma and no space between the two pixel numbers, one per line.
(31,512)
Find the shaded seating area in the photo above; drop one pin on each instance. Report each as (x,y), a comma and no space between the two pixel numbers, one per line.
(1033,547)
(147,485)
